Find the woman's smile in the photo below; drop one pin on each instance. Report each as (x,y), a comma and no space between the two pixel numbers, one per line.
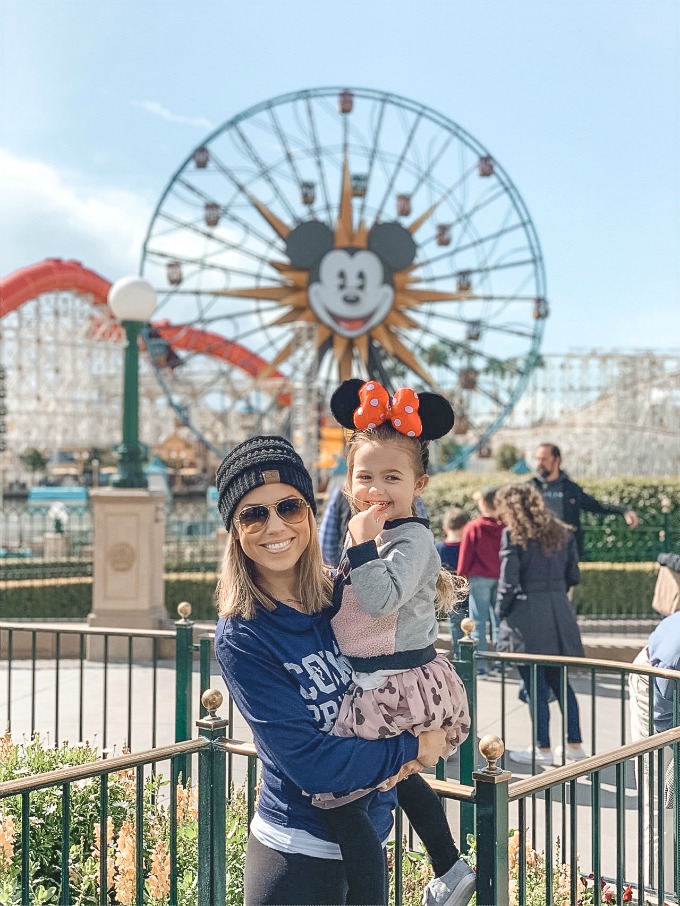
(275,546)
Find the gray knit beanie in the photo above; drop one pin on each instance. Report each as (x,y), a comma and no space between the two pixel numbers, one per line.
(258,461)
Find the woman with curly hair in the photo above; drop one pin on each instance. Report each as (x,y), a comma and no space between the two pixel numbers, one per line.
(539,564)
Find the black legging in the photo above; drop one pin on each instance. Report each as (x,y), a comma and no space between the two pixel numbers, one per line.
(362,851)
(423,808)
(274,877)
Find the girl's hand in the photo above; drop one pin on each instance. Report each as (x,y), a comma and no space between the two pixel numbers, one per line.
(367,525)
(411,767)
(432,746)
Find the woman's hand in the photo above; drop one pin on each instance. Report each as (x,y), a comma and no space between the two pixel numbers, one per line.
(367,525)
(432,746)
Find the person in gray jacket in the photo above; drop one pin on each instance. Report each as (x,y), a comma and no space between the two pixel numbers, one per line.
(539,564)
(568,499)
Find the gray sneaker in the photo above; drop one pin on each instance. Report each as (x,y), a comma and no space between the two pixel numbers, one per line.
(455,888)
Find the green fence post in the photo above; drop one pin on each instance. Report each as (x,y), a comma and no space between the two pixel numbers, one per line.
(184,652)
(212,805)
(467,670)
(204,660)
(491,833)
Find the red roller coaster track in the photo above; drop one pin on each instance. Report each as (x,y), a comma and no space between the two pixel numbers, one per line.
(53,274)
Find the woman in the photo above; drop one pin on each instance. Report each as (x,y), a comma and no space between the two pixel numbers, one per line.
(282,665)
(539,564)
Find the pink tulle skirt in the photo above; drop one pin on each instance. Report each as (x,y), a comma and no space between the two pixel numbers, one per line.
(423,698)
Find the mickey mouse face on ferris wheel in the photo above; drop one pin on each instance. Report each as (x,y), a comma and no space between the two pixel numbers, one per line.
(351,290)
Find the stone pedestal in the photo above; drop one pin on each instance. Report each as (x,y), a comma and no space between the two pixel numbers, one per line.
(55,546)
(128,589)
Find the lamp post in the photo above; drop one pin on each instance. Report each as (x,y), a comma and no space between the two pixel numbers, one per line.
(132,300)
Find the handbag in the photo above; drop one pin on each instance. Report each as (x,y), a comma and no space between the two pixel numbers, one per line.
(666,598)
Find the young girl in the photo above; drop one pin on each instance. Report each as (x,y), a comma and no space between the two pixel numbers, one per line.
(386,623)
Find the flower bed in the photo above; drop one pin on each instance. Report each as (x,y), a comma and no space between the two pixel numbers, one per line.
(85,845)
(86,849)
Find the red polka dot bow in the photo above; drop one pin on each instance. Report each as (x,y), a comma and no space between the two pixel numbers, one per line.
(376,408)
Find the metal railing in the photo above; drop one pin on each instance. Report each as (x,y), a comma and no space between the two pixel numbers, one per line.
(569,790)
(602,687)
(547,811)
(76,682)
(510,869)
(191,529)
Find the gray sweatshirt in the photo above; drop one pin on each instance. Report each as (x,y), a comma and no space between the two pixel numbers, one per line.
(386,596)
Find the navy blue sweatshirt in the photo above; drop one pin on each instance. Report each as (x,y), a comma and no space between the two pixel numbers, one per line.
(287,677)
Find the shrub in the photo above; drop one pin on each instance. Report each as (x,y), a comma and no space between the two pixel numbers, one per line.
(607,538)
(616,590)
(535,893)
(47,599)
(85,847)
(71,598)
(606,590)
(198,589)
(506,456)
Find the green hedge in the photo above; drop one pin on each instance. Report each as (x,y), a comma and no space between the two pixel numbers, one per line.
(68,600)
(616,590)
(607,590)
(607,538)
(198,590)
(40,600)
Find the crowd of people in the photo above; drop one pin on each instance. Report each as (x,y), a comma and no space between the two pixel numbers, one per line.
(326,640)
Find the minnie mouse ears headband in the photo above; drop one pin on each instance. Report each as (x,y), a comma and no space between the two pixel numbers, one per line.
(359,405)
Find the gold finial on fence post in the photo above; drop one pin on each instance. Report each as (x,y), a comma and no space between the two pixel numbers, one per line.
(467,626)
(491,824)
(184,610)
(212,802)
(491,749)
(212,700)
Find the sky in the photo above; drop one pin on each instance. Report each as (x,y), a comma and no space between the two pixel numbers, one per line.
(100,103)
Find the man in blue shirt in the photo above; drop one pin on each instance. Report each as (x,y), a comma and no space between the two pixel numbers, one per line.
(662,650)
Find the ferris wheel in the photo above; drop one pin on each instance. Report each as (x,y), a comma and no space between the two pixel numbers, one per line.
(334,233)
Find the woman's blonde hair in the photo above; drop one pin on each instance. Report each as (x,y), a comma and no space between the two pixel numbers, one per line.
(522,509)
(240,594)
(451,589)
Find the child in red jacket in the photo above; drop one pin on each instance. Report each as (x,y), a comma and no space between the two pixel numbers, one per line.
(479,562)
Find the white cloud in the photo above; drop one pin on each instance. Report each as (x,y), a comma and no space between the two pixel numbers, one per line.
(48,214)
(158,110)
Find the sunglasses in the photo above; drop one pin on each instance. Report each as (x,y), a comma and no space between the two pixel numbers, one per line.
(254,518)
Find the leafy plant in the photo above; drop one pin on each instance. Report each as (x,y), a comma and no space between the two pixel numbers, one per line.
(33,460)
(416,871)
(86,849)
(506,456)
(587,892)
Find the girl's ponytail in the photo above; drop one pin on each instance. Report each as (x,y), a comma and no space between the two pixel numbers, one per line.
(451,591)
